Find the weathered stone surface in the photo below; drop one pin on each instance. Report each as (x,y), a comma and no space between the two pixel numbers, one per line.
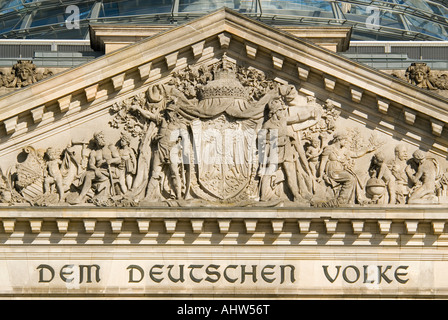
(229,157)
(284,251)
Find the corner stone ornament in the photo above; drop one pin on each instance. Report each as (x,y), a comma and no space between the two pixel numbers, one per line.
(422,76)
(223,135)
(22,74)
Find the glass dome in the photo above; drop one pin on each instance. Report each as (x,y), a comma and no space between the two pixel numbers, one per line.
(371,20)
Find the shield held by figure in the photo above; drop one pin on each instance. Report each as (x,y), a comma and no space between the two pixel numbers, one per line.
(224,154)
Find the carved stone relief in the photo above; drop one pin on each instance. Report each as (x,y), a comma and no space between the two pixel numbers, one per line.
(22,74)
(224,135)
(421,75)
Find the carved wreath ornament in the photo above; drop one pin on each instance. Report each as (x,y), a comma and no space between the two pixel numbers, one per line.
(222,135)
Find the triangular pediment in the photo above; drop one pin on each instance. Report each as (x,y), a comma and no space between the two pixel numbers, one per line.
(377,111)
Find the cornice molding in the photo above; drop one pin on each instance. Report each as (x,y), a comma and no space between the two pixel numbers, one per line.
(395,227)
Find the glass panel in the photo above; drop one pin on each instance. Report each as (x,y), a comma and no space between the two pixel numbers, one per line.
(418,4)
(57,15)
(207,5)
(109,9)
(9,24)
(365,14)
(438,9)
(135,7)
(63,33)
(427,27)
(249,6)
(391,20)
(8,6)
(49,16)
(309,8)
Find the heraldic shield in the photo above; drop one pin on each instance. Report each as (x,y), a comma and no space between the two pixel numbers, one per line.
(225,151)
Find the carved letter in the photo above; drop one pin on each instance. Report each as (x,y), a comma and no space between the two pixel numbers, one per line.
(244,273)
(89,273)
(382,274)
(397,274)
(265,273)
(62,273)
(181,273)
(282,273)
(225,273)
(344,274)
(131,273)
(41,268)
(328,276)
(152,273)
(366,275)
(212,273)
(192,267)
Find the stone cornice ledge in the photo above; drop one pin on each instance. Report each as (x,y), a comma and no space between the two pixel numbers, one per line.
(392,226)
(420,212)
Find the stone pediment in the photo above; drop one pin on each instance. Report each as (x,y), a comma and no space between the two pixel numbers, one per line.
(223,111)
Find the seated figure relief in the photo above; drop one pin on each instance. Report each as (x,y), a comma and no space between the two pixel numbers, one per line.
(337,170)
(224,135)
(404,179)
(423,178)
(102,169)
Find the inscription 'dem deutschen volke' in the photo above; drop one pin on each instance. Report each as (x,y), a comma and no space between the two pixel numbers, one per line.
(232,273)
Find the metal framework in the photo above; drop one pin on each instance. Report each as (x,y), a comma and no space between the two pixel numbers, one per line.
(371,20)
